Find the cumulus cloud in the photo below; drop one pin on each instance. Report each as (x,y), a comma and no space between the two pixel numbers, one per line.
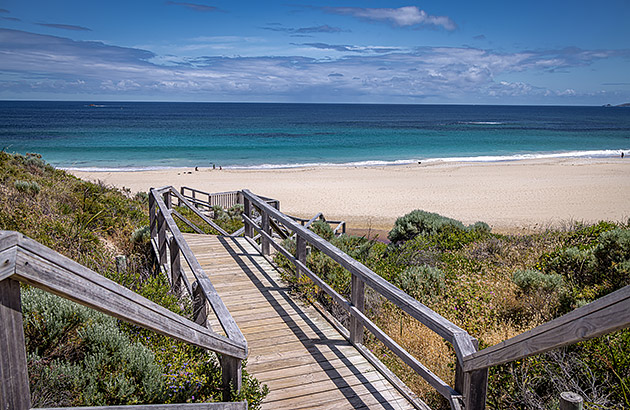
(402,16)
(4,11)
(193,6)
(64,26)
(41,63)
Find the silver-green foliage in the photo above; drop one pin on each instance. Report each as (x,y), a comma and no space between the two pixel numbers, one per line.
(532,280)
(86,352)
(27,187)
(422,282)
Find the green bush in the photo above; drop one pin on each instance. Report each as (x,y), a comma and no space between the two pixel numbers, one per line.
(531,280)
(611,258)
(420,222)
(322,229)
(422,282)
(444,233)
(87,352)
(27,187)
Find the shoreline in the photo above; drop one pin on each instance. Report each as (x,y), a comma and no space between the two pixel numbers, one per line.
(510,195)
(588,155)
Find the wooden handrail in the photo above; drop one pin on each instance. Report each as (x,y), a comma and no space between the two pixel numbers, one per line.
(604,315)
(168,250)
(426,316)
(25,260)
(187,204)
(463,343)
(223,315)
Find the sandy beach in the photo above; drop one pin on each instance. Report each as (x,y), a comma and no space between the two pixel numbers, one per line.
(530,194)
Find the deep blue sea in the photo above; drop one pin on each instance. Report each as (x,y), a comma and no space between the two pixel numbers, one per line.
(130,135)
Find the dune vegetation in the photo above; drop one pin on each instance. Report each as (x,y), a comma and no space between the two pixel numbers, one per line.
(80,357)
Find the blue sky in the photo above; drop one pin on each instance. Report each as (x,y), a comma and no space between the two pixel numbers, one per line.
(489,52)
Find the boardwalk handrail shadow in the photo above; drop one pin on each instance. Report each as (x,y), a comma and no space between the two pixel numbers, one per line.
(605,315)
(23,260)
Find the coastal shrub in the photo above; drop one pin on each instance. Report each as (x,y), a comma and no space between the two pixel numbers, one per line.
(444,233)
(531,280)
(98,361)
(422,282)
(420,222)
(141,235)
(322,229)
(27,187)
(611,258)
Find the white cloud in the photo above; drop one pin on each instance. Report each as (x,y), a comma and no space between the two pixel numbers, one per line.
(402,16)
(36,63)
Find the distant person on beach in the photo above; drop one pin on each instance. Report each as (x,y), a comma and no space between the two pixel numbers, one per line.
(621,154)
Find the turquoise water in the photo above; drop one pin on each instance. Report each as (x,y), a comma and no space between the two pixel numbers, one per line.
(160,135)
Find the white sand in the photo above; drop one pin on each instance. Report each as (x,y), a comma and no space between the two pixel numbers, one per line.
(506,195)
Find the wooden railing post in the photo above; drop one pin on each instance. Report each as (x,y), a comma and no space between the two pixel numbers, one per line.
(300,252)
(161,228)
(200,312)
(571,401)
(358,300)
(249,230)
(14,388)
(176,267)
(167,199)
(152,218)
(231,374)
(266,229)
(472,385)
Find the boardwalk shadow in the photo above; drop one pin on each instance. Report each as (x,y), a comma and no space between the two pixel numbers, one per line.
(274,293)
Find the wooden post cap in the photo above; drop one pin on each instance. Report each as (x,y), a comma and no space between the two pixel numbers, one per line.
(570,401)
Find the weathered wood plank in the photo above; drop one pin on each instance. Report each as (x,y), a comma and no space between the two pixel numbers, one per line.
(240,405)
(285,334)
(51,271)
(7,262)
(186,221)
(14,387)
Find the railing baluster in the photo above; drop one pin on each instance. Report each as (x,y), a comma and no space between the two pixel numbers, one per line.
(267,229)
(300,253)
(249,230)
(167,199)
(152,219)
(200,311)
(358,300)
(161,226)
(472,385)
(14,387)
(176,267)
(231,374)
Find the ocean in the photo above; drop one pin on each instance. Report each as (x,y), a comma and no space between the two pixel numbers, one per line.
(140,136)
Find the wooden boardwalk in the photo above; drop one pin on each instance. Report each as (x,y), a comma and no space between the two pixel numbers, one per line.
(293,349)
